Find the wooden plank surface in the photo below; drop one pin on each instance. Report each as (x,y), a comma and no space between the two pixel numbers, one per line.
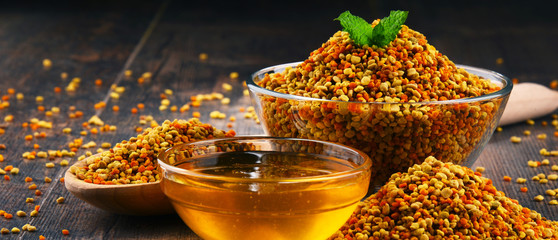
(102,39)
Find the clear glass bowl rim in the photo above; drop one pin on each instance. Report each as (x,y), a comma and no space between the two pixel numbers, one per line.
(505,90)
(327,177)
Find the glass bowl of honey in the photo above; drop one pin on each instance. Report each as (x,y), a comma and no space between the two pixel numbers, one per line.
(253,187)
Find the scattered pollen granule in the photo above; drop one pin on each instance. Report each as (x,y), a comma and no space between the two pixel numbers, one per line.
(165,102)
(114,95)
(227,87)
(47,63)
(21,213)
(535,178)
(34,213)
(225,101)
(541,136)
(233,75)
(42,154)
(530,122)
(196,103)
(203,56)
(168,92)
(532,163)
(515,139)
(9,118)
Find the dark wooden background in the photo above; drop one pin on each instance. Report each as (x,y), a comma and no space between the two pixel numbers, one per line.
(101,39)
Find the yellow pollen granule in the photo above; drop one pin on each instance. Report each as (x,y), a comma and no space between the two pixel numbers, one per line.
(227,87)
(233,75)
(47,63)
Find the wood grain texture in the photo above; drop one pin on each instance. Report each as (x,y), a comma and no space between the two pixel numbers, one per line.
(95,39)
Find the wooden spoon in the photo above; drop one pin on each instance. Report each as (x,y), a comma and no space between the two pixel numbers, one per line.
(529,101)
(129,199)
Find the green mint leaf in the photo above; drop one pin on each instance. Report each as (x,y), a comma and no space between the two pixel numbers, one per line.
(388,28)
(359,30)
(381,35)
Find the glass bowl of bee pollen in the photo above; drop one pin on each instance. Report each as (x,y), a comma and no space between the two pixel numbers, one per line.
(251,187)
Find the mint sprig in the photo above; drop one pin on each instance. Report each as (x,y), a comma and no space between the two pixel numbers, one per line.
(363,33)
(359,29)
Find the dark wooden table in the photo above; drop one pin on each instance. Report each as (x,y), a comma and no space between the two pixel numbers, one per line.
(102,39)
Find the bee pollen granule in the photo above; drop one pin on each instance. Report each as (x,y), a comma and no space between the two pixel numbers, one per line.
(435,200)
(135,160)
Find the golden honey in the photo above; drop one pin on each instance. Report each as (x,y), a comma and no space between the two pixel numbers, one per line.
(265,195)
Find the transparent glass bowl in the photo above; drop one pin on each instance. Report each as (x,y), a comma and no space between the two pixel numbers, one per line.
(394,135)
(254,187)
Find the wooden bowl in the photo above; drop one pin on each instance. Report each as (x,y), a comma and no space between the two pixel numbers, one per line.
(130,199)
